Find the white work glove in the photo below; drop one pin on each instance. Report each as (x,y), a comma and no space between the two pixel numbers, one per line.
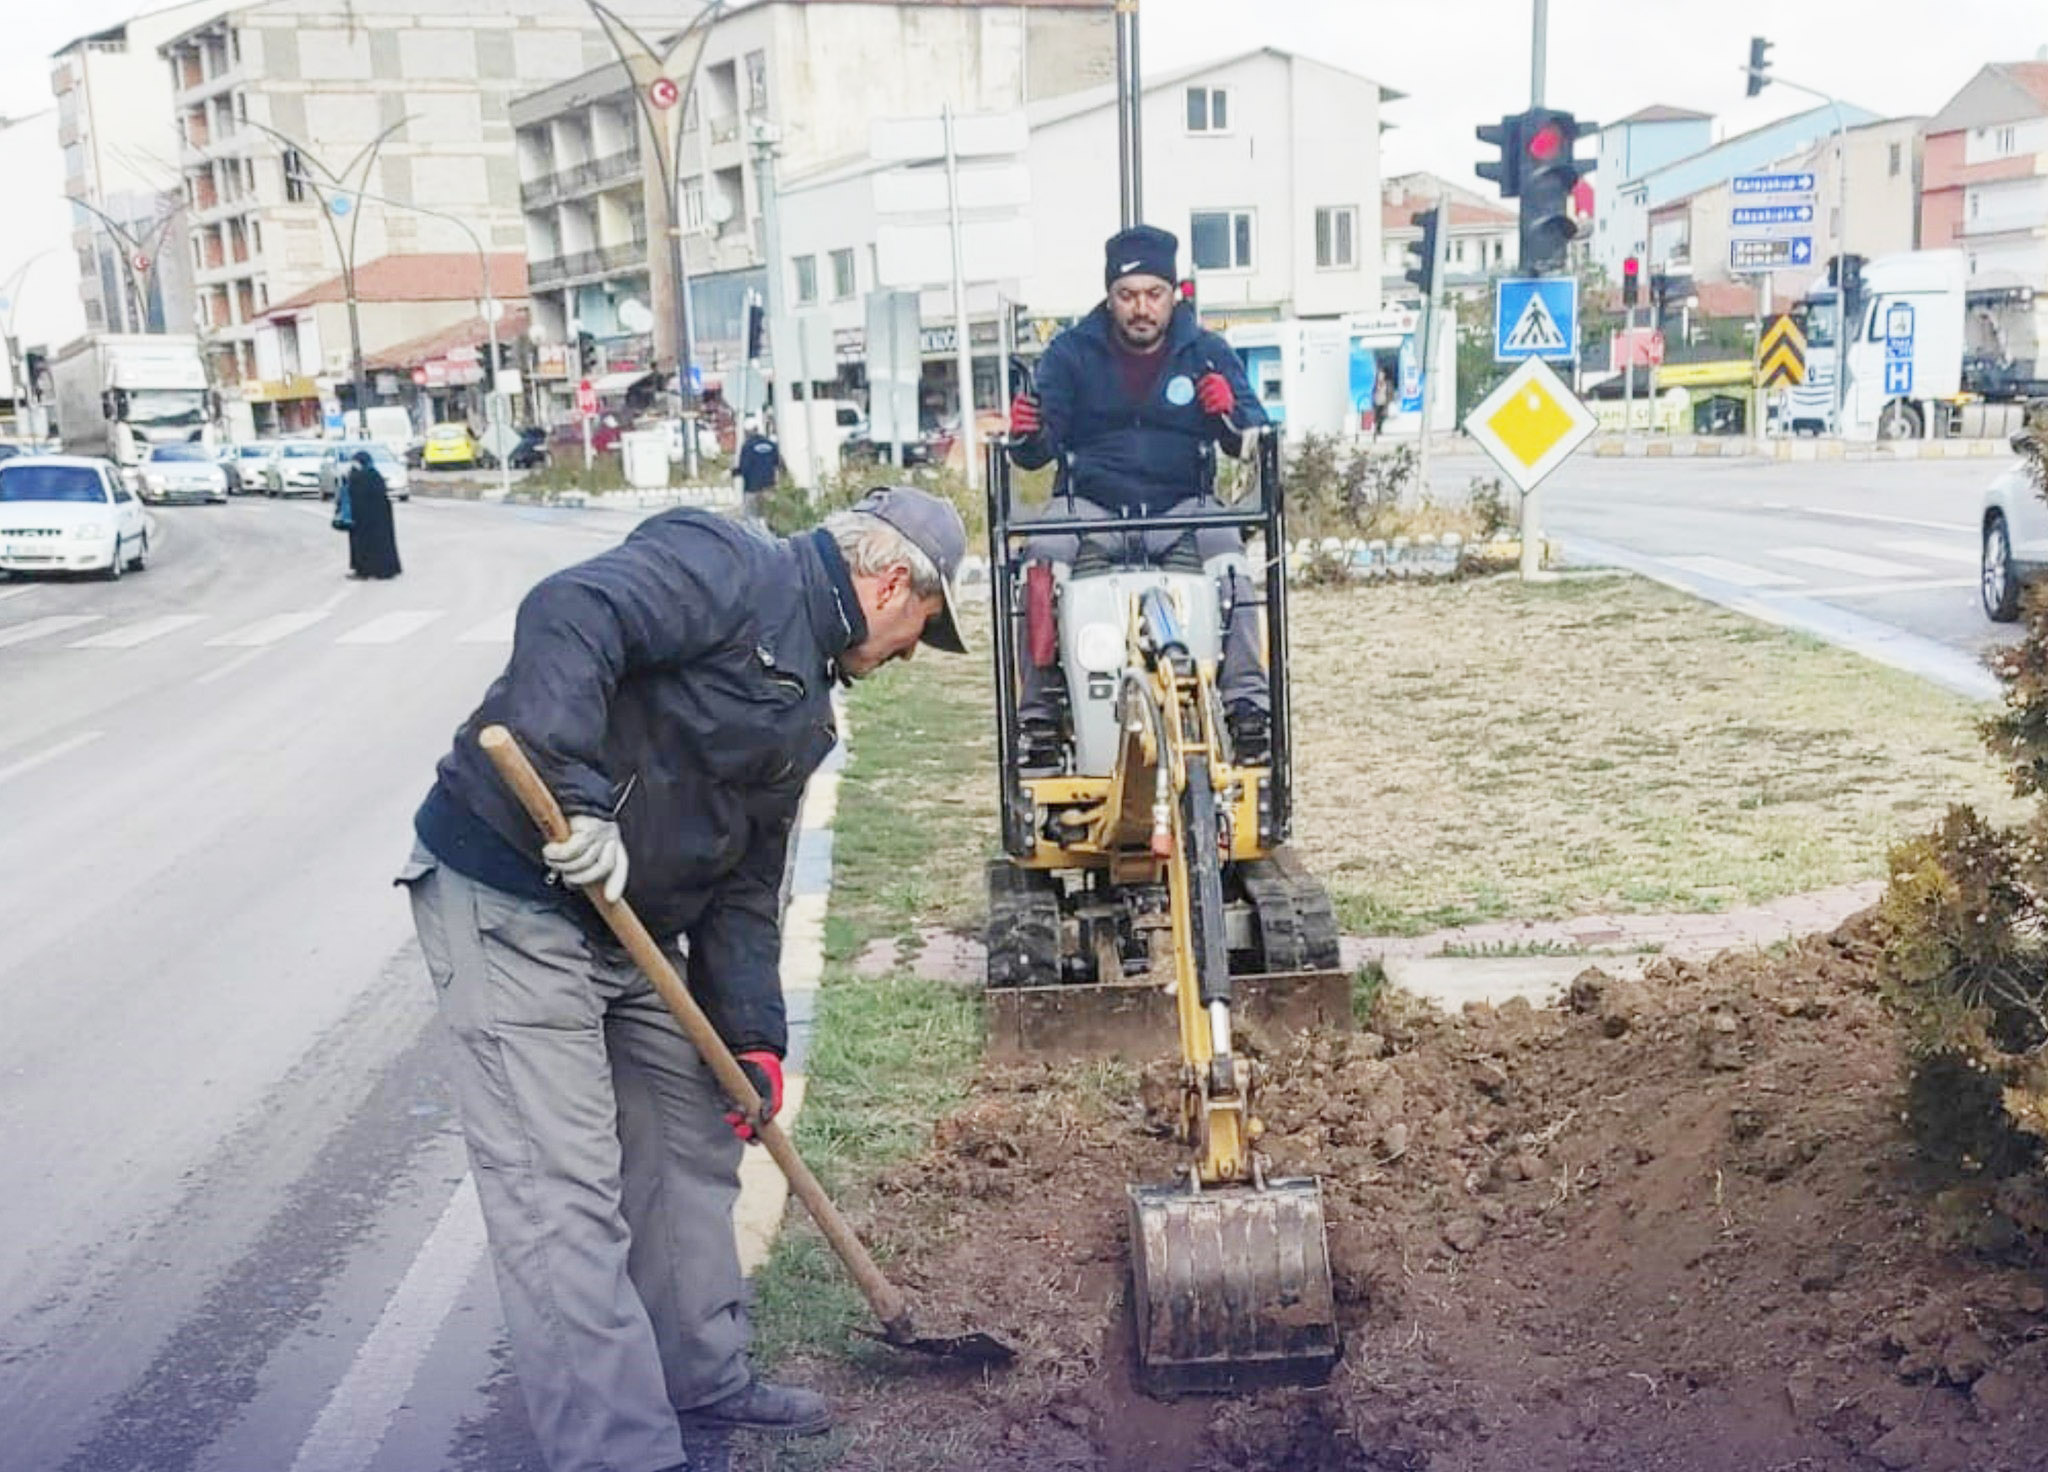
(593,853)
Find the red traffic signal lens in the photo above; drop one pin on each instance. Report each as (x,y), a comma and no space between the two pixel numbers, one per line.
(1631,266)
(1546,143)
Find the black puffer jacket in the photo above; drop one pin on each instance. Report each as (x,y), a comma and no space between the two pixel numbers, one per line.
(680,682)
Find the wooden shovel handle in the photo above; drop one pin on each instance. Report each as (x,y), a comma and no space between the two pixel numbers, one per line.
(888,1303)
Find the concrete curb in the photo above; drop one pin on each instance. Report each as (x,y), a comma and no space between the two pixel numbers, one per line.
(1735,447)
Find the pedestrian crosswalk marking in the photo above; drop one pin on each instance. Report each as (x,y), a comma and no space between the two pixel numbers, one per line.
(6,593)
(38,628)
(392,627)
(1849,562)
(130,635)
(1741,574)
(1933,551)
(1537,331)
(267,630)
(497,629)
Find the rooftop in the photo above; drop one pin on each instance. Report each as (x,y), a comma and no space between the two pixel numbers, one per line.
(1660,112)
(472,332)
(433,277)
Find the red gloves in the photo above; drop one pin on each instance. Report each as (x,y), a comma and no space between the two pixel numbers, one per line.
(1213,393)
(1024,419)
(764,1072)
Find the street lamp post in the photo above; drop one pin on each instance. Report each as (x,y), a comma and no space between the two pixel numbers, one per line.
(137,255)
(493,400)
(339,188)
(23,388)
(663,82)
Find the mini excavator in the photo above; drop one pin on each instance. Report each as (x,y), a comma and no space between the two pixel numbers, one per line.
(1146,899)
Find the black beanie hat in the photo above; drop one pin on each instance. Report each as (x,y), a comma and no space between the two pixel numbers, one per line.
(1142,250)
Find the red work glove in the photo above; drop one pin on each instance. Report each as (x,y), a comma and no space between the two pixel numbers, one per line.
(1214,395)
(1024,419)
(764,1072)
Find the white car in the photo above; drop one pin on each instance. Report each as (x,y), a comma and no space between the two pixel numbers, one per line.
(65,513)
(2015,541)
(247,466)
(341,458)
(295,469)
(182,473)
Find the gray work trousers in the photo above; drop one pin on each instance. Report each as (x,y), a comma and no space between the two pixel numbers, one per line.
(1241,675)
(605,1168)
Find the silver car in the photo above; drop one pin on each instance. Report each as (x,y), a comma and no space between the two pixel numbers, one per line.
(295,469)
(2015,540)
(341,457)
(182,473)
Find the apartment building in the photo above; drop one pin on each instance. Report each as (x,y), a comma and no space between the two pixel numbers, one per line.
(1985,184)
(268,96)
(1484,239)
(119,141)
(814,74)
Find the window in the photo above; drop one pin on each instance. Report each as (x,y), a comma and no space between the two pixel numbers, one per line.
(1893,160)
(693,204)
(255,237)
(1457,252)
(690,111)
(1499,249)
(842,275)
(1336,237)
(294,176)
(2006,141)
(757,81)
(806,279)
(1208,110)
(1221,240)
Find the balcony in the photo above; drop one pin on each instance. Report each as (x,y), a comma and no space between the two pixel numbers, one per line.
(580,179)
(725,130)
(611,260)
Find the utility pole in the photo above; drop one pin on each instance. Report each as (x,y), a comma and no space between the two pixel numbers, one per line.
(781,331)
(1439,250)
(1130,115)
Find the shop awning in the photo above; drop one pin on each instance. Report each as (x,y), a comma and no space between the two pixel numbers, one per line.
(611,385)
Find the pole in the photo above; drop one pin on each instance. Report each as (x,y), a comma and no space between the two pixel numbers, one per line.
(1532,522)
(1628,370)
(686,398)
(963,350)
(1757,407)
(781,347)
(1841,269)
(1430,329)
(1129,119)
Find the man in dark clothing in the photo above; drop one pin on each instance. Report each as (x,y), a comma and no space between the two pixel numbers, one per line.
(755,465)
(1129,401)
(675,694)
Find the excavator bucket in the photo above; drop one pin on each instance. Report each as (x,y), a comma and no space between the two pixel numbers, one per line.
(1231,1287)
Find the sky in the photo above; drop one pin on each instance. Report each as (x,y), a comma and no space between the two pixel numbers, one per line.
(1463,62)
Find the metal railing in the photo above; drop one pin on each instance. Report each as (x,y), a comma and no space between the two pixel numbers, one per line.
(607,261)
(578,179)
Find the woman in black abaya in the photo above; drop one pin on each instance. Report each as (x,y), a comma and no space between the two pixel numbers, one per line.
(372,542)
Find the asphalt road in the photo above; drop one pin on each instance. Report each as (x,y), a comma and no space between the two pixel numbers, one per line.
(223,1137)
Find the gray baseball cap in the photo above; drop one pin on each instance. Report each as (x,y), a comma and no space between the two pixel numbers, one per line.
(932,525)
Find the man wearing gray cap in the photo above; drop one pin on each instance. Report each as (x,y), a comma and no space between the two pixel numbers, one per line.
(675,693)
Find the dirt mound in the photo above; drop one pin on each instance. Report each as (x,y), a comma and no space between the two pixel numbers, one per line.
(1670,1225)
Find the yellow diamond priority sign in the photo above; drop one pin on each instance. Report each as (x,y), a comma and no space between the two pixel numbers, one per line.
(1530,423)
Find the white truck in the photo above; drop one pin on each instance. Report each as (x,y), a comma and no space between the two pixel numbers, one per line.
(118,395)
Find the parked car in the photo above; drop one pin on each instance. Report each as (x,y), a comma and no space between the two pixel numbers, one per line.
(531,453)
(340,459)
(2014,531)
(295,469)
(66,513)
(246,464)
(707,438)
(452,447)
(182,473)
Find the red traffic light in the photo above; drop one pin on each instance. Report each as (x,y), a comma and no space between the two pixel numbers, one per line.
(1631,267)
(1546,143)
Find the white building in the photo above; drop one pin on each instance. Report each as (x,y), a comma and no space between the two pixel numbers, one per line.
(1484,239)
(40,309)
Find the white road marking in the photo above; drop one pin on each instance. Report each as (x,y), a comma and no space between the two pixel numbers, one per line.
(392,627)
(497,629)
(1836,560)
(30,763)
(1741,574)
(351,1426)
(130,635)
(37,628)
(14,592)
(268,630)
(1934,551)
(1865,590)
(240,662)
(1879,517)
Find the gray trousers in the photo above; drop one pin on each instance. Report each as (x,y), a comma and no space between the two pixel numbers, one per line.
(1240,676)
(605,1169)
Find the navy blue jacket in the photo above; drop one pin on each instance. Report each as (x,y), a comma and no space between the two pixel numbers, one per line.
(1126,454)
(682,683)
(757,464)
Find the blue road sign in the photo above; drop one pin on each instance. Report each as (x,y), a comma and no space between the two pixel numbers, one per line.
(1536,317)
(1771,214)
(1754,253)
(1898,375)
(1802,250)
(1771,184)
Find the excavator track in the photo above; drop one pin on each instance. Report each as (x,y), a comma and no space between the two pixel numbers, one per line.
(1297,926)
(1023,932)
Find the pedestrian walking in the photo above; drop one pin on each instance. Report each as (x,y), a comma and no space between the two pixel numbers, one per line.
(365,510)
(756,466)
(675,694)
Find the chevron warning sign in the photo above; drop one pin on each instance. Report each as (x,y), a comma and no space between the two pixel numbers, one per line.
(1781,353)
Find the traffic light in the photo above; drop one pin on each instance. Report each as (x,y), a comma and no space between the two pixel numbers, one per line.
(756,326)
(1631,281)
(586,353)
(1423,272)
(1758,67)
(1548,173)
(1506,171)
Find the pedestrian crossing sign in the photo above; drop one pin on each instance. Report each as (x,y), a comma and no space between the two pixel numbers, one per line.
(1536,317)
(1530,424)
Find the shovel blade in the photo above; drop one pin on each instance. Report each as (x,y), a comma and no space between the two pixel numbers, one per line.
(1232,1287)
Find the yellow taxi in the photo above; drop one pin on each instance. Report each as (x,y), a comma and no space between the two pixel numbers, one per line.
(452,446)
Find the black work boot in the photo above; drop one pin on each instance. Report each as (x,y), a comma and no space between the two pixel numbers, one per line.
(1251,733)
(761,1405)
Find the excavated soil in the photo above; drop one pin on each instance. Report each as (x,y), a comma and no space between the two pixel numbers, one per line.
(1676,1224)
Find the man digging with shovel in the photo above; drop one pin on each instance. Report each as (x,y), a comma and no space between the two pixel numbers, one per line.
(674,693)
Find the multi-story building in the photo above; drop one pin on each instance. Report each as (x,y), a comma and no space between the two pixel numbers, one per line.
(816,75)
(119,139)
(1641,143)
(1985,184)
(1484,239)
(269,94)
